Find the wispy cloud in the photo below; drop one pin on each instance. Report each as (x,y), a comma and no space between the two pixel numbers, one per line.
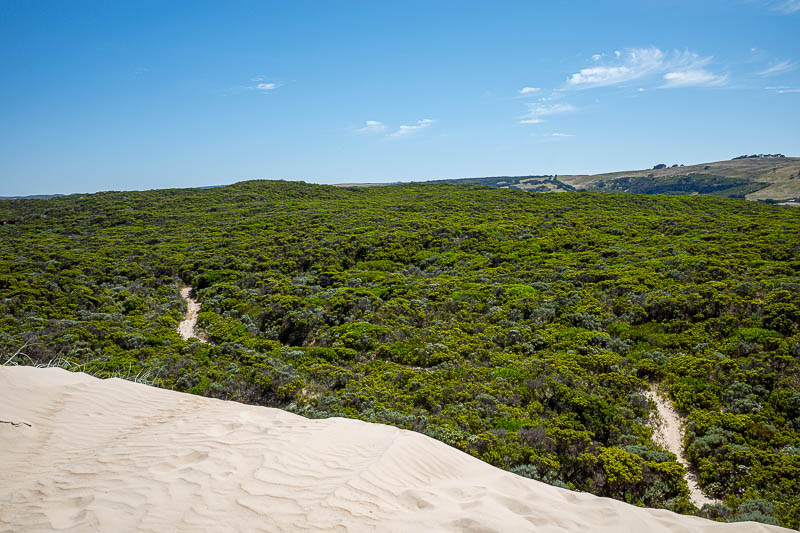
(527,91)
(262,85)
(372,127)
(376,127)
(405,130)
(692,78)
(677,69)
(784,89)
(786,7)
(637,63)
(538,110)
(562,135)
(778,68)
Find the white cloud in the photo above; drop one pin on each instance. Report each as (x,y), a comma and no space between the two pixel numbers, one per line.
(562,135)
(638,62)
(373,127)
(404,130)
(529,90)
(539,110)
(783,89)
(261,84)
(599,76)
(778,68)
(376,127)
(787,7)
(693,78)
(682,68)
(597,57)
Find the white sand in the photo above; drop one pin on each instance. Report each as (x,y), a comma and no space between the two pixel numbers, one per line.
(187,326)
(668,432)
(111,455)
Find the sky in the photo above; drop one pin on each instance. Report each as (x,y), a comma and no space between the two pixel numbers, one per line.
(151,94)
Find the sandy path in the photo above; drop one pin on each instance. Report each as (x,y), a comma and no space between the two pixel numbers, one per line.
(187,325)
(80,454)
(668,432)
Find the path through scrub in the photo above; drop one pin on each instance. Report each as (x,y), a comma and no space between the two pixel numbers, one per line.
(668,432)
(187,325)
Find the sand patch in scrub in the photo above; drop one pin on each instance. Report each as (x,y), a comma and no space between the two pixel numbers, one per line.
(186,329)
(668,432)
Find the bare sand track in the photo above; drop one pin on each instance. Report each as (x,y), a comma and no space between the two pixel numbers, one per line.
(668,432)
(83,454)
(186,329)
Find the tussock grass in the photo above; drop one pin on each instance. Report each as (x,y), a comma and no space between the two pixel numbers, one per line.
(144,376)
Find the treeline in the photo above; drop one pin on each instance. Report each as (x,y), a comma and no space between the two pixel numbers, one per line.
(758,156)
(520,328)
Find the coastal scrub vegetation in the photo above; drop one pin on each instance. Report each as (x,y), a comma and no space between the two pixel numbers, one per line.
(520,328)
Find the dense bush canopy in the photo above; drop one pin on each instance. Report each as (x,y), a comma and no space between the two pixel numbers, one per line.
(520,328)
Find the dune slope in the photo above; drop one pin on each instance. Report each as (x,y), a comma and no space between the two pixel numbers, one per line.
(83,454)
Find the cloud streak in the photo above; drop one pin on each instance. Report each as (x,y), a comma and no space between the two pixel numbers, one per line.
(262,85)
(376,127)
(538,110)
(692,78)
(405,130)
(787,7)
(784,89)
(778,68)
(676,69)
(372,127)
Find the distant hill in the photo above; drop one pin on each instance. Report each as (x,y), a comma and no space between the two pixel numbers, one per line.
(32,197)
(51,196)
(544,183)
(774,178)
(771,178)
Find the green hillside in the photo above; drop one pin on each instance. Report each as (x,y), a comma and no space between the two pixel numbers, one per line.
(521,328)
(775,179)
(770,179)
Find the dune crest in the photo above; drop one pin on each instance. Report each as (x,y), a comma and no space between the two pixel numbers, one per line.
(83,454)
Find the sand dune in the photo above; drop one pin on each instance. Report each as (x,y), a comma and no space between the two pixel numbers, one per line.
(83,454)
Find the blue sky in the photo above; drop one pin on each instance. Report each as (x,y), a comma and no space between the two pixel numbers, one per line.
(139,95)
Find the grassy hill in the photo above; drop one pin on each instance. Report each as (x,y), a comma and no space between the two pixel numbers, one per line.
(765,178)
(773,179)
(524,329)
